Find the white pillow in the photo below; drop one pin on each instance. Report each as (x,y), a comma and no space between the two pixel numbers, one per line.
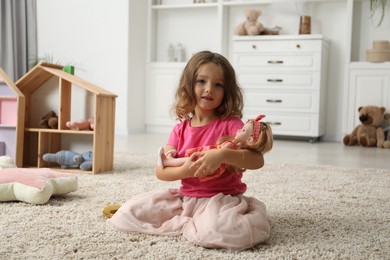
(34,185)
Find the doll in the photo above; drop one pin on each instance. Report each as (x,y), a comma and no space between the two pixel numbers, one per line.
(254,135)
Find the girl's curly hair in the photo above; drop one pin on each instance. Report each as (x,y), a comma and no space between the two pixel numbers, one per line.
(185,100)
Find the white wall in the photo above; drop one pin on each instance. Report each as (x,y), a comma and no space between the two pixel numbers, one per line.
(106,41)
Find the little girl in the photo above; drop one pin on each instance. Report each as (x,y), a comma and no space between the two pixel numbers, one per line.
(213,213)
(254,135)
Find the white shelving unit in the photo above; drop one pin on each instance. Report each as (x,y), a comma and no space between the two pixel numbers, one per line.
(206,26)
(366,83)
(210,26)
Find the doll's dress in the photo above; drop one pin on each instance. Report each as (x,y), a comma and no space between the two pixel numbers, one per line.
(222,168)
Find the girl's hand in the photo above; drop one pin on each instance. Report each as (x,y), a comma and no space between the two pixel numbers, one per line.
(207,162)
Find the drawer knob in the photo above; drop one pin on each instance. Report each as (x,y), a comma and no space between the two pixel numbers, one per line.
(298,46)
(275,80)
(275,62)
(274,100)
(254,47)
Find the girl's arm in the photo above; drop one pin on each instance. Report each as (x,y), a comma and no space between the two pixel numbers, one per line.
(209,161)
(177,172)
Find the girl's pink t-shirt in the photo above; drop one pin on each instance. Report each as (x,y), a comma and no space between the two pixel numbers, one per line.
(184,136)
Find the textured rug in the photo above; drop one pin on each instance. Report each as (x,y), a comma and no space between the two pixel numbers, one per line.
(318,212)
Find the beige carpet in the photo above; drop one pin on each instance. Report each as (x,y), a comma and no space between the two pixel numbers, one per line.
(318,212)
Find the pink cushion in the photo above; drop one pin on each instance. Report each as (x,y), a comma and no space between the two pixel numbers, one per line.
(34,185)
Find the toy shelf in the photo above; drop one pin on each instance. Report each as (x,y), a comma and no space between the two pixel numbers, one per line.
(48,88)
(41,141)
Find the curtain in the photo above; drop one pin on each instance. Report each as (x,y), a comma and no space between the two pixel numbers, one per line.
(18,32)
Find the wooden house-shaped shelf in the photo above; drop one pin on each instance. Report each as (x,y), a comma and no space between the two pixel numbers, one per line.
(37,87)
(11,106)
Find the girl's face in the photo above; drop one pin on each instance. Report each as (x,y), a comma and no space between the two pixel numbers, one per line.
(245,133)
(209,87)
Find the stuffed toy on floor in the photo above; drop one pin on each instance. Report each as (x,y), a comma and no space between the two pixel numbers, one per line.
(368,133)
(34,185)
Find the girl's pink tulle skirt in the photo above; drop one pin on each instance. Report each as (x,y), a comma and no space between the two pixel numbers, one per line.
(222,221)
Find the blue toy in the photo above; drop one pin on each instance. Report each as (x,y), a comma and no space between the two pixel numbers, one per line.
(69,159)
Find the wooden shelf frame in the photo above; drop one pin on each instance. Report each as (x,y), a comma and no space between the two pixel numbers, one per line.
(39,141)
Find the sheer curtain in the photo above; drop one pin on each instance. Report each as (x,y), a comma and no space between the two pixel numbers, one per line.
(18,36)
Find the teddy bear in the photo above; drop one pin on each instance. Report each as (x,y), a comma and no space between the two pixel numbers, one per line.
(368,133)
(250,26)
(69,159)
(50,120)
(81,124)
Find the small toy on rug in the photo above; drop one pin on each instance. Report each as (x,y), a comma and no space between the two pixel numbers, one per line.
(250,26)
(50,120)
(69,159)
(34,185)
(6,162)
(81,124)
(110,210)
(368,133)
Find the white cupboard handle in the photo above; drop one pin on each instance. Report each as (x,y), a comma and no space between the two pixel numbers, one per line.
(274,100)
(275,80)
(275,62)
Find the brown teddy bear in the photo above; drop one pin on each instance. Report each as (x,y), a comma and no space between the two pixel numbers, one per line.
(251,26)
(368,133)
(50,120)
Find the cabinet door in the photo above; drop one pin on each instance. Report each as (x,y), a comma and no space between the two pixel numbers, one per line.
(160,93)
(367,88)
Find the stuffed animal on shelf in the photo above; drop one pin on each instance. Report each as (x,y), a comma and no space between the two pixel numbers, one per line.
(50,120)
(250,26)
(86,165)
(69,159)
(66,159)
(368,133)
(81,124)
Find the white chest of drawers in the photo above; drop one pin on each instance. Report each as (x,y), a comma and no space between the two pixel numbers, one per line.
(284,77)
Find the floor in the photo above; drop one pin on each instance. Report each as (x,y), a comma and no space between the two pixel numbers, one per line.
(323,153)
